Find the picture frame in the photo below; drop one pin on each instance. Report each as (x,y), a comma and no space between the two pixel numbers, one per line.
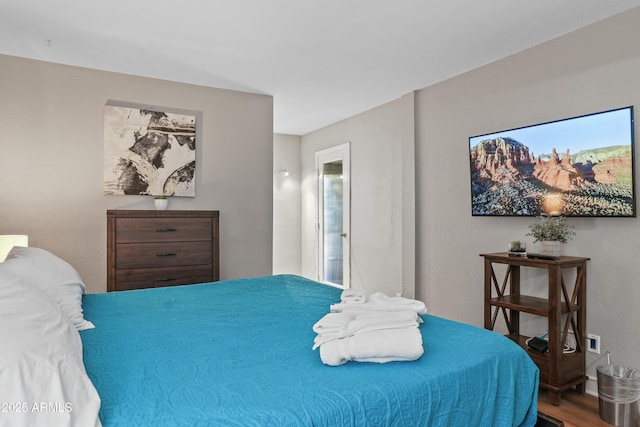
(149,150)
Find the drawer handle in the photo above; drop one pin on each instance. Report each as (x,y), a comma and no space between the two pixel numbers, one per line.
(169,279)
(166,254)
(165,230)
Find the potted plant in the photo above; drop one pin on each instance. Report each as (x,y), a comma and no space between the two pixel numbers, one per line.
(551,231)
(517,248)
(160,202)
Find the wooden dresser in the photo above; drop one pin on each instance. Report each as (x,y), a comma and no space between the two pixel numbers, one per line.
(154,248)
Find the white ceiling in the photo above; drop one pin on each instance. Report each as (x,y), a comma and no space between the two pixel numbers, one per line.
(322,61)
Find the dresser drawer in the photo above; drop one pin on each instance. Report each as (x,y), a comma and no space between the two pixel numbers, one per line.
(168,254)
(158,277)
(130,230)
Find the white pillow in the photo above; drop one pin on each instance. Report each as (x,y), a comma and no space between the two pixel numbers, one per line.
(44,382)
(53,276)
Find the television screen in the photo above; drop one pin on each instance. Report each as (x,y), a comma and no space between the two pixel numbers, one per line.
(581,166)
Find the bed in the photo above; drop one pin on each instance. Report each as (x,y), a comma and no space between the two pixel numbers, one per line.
(238,353)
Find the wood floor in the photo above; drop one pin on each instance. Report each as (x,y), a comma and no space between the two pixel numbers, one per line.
(575,409)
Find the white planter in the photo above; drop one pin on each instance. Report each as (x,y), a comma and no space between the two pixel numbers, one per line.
(550,247)
(161,204)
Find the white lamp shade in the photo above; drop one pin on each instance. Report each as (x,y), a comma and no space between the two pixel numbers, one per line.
(8,241)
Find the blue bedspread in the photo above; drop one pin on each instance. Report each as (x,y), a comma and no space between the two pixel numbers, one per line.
(238,353)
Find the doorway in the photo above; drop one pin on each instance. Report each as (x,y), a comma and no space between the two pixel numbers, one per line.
(334,212)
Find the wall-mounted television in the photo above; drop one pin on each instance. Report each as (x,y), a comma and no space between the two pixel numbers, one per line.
(580,166)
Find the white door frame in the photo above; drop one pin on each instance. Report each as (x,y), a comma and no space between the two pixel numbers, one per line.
(340,152)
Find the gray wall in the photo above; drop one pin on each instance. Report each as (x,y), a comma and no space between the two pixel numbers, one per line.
(382,196)
(590,70)
(51,163)
(593,69)
(286,204)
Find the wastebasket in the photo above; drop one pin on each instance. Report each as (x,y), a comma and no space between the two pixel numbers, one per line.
(619,395)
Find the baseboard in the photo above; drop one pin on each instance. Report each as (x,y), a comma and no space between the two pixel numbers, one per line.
(545,420)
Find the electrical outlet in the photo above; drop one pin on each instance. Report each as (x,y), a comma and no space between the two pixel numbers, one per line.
(593,343)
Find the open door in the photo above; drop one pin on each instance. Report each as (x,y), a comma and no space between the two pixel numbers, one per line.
(333,166)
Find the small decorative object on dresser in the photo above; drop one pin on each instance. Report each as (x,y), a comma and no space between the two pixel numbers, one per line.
(155,248)
(160,202)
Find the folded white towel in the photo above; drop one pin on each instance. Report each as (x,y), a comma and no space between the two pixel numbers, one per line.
(353,296)
(374,321)
(331,326)
(339,325)
(380,346)
(381,302)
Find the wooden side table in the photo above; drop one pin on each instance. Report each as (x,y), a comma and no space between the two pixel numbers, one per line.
(565,309)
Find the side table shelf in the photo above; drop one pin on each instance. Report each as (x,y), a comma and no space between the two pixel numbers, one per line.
(565,309)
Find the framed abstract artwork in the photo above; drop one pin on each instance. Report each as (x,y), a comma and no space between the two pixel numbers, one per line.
(149,152)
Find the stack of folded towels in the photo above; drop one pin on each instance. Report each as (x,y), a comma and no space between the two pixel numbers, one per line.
(370,328)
